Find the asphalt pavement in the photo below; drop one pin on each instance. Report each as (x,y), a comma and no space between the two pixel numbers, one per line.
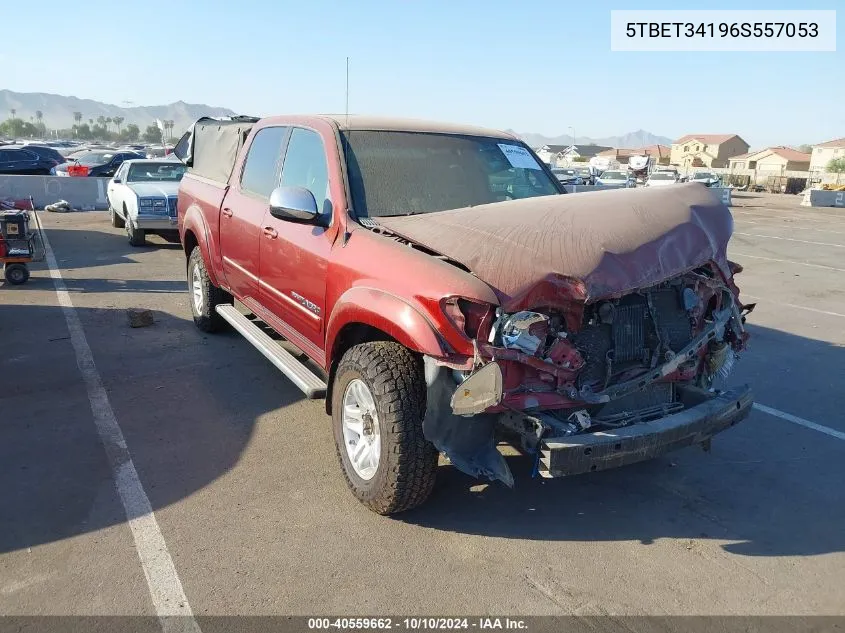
(241,474)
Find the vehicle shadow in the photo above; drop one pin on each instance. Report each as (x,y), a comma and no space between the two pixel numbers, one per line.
(104,285)
(188,415)
(185,419)
(101,248)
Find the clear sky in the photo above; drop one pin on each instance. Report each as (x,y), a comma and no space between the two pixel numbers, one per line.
(533,66)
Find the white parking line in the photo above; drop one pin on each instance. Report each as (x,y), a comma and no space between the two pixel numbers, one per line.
(168,597)
(789,239)
(792,305)
(789,226)
(800,421)
(790,261)
(784,215)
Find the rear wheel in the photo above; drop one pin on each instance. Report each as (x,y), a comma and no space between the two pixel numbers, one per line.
(205,296)
(16,274)
(377,412)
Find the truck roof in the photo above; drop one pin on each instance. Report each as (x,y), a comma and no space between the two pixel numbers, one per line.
(364,122)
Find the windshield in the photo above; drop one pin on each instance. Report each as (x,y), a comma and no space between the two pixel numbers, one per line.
(662,176)
(613,175)
(146,172)
(403,173)
(563,172)
(93,158)
(704,176)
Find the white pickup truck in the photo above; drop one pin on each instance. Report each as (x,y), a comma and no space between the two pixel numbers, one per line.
(142,198)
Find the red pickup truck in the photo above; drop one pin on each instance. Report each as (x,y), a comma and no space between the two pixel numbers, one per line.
(450,294)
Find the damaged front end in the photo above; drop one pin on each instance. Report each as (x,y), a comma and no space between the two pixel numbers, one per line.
(587,386)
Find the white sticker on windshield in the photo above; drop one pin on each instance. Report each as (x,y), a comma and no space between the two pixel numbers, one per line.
(519,156)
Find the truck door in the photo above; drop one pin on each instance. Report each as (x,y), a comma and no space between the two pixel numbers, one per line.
(243,211)
(294,256)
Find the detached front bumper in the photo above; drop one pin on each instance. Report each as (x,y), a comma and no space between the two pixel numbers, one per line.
(602,450)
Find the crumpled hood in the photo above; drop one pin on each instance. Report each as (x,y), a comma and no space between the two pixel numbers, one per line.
(612,242)
(155,189)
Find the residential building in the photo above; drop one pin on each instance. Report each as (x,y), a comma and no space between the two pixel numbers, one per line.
(550,153)
(823,153)
(556,155)
(658,153)
(706,150)
(772,159)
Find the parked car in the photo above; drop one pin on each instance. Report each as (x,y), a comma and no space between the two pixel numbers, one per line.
(45,152)
(96,162)
(707,178)
(448,292)
(617,178)
(23,161)
(661,179)
(586,174)
(142,198)
(158,151)
(568,176)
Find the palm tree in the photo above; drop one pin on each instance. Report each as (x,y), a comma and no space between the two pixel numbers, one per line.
(108,123)
(170,125)
(101,120)
(91,122)
(117,121)
(39,115)
(14,112)
(77,117)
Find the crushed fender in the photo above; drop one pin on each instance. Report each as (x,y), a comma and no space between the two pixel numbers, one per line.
(468,441)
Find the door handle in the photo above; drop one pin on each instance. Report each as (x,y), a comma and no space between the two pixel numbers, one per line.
(226,211)
(270,232)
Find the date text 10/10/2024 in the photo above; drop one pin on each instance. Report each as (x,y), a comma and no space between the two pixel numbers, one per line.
(418,624)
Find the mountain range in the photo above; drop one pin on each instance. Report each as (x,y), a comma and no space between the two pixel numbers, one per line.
(57,110)
(631,140)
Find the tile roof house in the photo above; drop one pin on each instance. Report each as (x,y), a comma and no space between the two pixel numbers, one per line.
(706,150)
(660,153)
(823,153)
(555,154)
(774,159)
(550,153)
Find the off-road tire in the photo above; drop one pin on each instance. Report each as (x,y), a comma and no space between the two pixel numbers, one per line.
(207,318)
(408,462)
(116,221)
(16,274)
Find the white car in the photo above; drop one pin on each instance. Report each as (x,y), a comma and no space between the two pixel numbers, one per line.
(615,178)
(661,179)
(706,178)
(142,198)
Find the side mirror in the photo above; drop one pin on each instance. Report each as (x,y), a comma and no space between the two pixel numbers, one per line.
(116,180)
(293,203)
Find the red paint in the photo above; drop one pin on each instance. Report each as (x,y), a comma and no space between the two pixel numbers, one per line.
(312,282)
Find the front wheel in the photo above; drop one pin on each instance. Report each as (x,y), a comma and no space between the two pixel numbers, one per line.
(205,296)
(137,237)
(116,221)
(378,405)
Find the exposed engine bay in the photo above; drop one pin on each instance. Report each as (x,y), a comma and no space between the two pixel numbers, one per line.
(628,360)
